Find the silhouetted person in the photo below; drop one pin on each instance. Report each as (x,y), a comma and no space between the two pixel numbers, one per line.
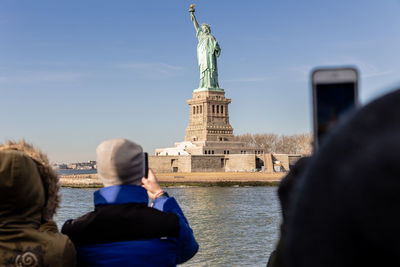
(285,194)
(344,211)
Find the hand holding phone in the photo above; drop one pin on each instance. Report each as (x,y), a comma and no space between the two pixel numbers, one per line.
(151,185)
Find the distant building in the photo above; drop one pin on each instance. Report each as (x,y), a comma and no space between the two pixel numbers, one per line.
(90,165)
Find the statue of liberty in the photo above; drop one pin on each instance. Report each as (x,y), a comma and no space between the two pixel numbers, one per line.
(207,52)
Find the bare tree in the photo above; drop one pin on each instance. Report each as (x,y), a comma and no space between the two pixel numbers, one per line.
(246,138)
(273,143)
(304,144)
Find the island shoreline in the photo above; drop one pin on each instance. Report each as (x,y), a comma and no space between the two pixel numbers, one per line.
(194,179)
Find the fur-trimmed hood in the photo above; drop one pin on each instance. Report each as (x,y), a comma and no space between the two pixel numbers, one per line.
(22,168)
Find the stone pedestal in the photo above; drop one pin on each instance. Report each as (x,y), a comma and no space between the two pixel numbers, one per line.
(208,89)
(209,116)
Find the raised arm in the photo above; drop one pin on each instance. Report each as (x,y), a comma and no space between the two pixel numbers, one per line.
(186,243)
(196,25)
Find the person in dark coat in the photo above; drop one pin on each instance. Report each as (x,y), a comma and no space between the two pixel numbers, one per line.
(285,194)
(29,199)
(344,211)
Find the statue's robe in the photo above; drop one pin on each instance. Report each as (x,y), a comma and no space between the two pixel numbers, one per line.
(207,52)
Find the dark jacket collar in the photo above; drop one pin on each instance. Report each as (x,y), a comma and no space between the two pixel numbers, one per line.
(120,194)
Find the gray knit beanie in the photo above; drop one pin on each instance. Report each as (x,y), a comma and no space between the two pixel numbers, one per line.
(120,161)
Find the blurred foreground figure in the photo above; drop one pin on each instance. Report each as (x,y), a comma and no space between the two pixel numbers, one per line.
(285,194)
(28,201)
(123,230)
(345,207)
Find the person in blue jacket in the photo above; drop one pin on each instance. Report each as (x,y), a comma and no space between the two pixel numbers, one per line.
(123,230)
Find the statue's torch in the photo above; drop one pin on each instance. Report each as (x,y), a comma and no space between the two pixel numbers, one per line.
(191,9)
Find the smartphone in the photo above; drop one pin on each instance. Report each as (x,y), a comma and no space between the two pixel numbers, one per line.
(334,93)
(146,165)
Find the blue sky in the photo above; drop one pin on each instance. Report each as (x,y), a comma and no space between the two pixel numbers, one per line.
(73,73)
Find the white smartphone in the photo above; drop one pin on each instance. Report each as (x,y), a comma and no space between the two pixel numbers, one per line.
(334,93)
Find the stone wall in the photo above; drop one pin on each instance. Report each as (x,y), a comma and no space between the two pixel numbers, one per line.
(219,163)
(209,163)
(238,162)
(160,164)
(203,163)
(185,164)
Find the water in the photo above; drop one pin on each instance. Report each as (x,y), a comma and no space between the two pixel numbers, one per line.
(234,226)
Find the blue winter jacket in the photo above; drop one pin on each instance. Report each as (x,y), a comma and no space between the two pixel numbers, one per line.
(124,231)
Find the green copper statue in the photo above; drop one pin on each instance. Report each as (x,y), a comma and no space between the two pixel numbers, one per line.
(207,52)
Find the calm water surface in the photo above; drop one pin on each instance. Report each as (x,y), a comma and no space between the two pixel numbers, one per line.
(234,226)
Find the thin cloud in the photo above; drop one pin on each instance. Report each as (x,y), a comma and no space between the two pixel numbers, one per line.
(156,69)
(301,69)
(352,45)
(377,73)
(367,70)
(29,77)
(57,76)
(51,63)
(273,39)
(302,72)
(248,79)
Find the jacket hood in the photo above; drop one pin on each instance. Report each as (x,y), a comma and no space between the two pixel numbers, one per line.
(28,185)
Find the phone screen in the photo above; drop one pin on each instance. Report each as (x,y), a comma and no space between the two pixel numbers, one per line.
(333,100)
(146,165)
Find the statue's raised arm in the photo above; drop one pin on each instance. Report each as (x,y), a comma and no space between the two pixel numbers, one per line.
(207,52)
(193,18)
